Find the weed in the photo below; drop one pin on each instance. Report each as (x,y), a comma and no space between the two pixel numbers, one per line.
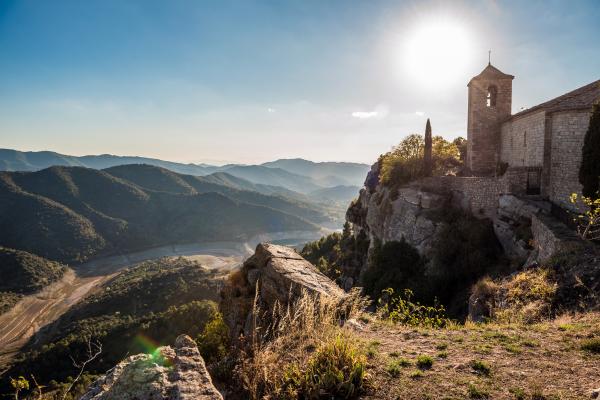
(424,362)
(476,393)
(518,393)
(372,348)
(416,374)
(441,346)
(336,368)
(512,348)
(400,309)
(395,366)
(591,345)
(481,367)
(443,354)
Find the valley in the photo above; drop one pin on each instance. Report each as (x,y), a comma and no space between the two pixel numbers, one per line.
(33,312)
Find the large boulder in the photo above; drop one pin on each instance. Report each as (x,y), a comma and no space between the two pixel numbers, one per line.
(169,373)
(280,275)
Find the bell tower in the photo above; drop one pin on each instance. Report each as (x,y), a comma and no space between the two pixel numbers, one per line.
(490,101)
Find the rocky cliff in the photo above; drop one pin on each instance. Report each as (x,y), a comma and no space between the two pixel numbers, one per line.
(273,276)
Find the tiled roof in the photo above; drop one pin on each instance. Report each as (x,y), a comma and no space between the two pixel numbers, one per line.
(491,72)
(582,98)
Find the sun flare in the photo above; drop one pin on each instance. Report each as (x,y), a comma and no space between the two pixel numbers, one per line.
(436,53)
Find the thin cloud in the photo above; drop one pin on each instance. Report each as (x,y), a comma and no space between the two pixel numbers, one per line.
(420,113)
(365,114)
(381,111)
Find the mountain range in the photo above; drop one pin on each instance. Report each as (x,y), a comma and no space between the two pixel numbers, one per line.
(297,175)
(73,213)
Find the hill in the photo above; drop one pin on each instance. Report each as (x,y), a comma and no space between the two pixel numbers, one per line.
(14,160)
(138,310)
(22,273)
(327,173)
(72,213)
(163,180)
(286,177)
(274,177)
(340,194)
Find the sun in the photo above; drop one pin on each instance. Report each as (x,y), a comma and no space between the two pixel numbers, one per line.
(436,53)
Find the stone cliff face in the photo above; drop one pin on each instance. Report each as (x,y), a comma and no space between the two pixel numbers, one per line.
(176,373)
(410,213)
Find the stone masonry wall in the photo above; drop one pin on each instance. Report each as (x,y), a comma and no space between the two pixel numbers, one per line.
(522,141)
(479,195)
(483,124)
(568,132)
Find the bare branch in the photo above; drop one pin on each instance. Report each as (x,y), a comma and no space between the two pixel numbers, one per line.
(94,349)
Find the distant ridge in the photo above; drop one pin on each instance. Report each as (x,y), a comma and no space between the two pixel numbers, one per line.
(297,175)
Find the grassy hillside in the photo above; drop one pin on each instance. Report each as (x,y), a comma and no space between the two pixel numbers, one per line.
(23,273)
(137,311)
(72,213)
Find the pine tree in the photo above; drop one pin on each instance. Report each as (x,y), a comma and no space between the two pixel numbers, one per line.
(589,171)
(427,159)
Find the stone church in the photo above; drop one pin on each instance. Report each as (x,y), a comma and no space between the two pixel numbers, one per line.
(536,151)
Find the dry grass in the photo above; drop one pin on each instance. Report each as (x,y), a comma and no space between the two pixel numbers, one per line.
(299,332)
(480,360)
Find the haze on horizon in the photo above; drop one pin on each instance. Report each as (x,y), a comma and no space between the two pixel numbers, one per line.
(252,81)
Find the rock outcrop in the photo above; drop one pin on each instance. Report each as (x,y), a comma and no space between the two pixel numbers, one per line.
(176,373)
(280,275)
(406,213)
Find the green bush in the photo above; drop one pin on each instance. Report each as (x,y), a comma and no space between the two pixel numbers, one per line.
(589,170)
(396,265)
(591,345)
(337,253)
(481,367)
(424,362)
(465,250)
(213,342)
(400,309)
(336,370)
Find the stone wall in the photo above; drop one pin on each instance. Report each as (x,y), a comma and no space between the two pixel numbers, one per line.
(522,140)
(568,132)
(551,236)
(479,195)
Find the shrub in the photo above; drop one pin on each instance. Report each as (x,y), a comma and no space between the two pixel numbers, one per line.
(394,366)
(481,367)
(400,309)
(303,338)
(213,342)
(404,163)
(396,264)
(591,345)
(336,370)
(466,249)
(529,296)
(424,362)
(589,170)
(476,393)
(337,253)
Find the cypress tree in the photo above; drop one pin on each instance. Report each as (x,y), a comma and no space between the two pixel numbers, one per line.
(427,158)
(589,171)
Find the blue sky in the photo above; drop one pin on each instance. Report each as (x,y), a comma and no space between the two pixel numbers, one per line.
(250,81)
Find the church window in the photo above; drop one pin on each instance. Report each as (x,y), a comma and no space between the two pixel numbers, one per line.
(492,93)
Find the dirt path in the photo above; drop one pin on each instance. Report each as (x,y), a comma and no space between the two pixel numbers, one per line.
(19,324)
